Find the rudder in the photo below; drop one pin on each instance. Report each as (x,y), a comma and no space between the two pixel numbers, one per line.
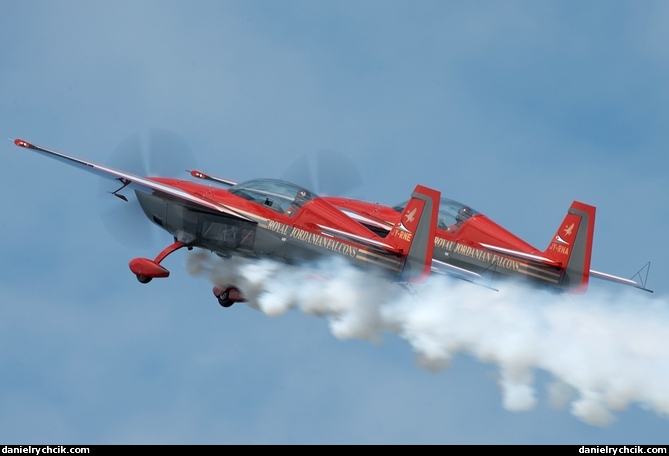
(571,247)
(414,234)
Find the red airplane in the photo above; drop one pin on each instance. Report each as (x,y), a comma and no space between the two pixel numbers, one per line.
(269,218)
(470,245)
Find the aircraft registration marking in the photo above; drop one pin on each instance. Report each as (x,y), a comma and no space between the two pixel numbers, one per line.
(563,249)
(404,235)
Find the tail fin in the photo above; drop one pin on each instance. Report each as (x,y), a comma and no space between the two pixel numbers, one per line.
(414,234)
(571,247)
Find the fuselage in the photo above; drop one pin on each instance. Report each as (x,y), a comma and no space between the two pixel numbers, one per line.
(459,242)
(271,224)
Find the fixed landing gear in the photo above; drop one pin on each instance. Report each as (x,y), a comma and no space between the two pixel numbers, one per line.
(224,299)
(146,270)
(228,296)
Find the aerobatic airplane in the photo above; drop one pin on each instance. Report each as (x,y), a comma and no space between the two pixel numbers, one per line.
(268,218)
(470,245)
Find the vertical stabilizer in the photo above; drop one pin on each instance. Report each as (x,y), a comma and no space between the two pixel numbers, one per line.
(571,247)
(414,234)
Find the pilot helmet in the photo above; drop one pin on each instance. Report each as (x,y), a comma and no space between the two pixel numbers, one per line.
(301,197)
(463,214)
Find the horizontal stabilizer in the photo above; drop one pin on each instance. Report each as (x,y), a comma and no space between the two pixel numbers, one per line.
(448,269)
(611,278)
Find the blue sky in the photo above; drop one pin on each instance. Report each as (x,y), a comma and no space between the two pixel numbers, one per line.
(516,108)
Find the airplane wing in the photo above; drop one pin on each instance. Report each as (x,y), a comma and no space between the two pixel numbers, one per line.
(133,181)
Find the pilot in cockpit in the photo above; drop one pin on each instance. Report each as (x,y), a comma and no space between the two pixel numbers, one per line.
(463,214)
(301,198)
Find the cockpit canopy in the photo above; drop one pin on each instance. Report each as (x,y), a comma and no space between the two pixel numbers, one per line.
(450,212)
(273,193)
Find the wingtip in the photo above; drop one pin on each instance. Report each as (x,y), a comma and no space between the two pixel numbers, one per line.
(21,143)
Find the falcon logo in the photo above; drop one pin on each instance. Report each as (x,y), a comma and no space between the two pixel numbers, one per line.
(411,215)
(568,230)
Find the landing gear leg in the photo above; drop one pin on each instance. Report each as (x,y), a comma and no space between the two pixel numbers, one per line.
(145,270)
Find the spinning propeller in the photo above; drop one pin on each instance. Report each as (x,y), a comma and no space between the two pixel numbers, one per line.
(159,153)
(162,153)
(326,172)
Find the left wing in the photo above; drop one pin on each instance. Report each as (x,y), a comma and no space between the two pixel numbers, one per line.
(133,181)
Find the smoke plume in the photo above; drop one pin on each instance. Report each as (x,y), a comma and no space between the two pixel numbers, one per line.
(604,352)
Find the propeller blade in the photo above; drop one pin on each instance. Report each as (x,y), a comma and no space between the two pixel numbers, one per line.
(169,155)
(336,174)
(128,156)
(158,152)
(326,172)
(128,225)
(301,173)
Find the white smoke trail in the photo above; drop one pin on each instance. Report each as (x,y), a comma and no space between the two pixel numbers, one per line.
(605,352)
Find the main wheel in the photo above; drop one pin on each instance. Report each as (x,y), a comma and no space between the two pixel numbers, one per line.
(144,279)
(224,299)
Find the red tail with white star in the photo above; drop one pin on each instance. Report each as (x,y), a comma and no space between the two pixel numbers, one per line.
(571,247)
(413,235)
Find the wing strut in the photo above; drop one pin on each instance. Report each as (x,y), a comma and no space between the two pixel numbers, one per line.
(492,267)
(644,279)
(125,183)
(640,285)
